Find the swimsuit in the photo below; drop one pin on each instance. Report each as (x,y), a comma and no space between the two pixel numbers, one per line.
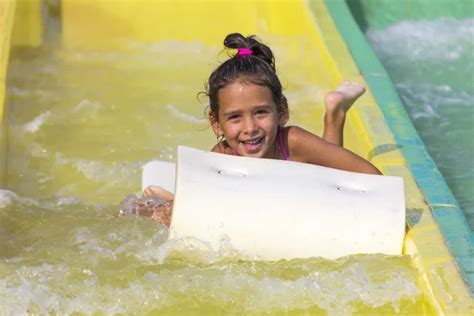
(280,144)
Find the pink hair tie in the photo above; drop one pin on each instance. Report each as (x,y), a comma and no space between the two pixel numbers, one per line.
(244,51)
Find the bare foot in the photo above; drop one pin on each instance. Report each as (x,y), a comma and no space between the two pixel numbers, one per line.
(338,102)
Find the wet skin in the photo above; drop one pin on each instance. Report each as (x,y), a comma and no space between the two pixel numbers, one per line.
(248,119)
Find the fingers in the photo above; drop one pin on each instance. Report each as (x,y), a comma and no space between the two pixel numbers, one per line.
(162,215)
(162,218)
(145,211)
(151,190)
(159,213)
(154,190)
(157,204)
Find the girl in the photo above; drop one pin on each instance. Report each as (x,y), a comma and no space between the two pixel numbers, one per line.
(248,113)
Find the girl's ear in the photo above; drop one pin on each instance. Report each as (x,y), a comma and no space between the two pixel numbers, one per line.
(216,126)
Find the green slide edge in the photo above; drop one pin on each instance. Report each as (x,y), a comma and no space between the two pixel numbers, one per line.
(444,206)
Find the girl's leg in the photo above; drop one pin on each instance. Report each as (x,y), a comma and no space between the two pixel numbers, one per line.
(338,102)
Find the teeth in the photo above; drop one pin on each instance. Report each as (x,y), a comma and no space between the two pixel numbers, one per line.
(253,142)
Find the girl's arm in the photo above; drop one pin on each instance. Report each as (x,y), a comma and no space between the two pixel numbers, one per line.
(307,147)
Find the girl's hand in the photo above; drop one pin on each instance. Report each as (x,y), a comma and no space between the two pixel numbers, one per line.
(157,209)
(160,213)
(147,206)
(154,190)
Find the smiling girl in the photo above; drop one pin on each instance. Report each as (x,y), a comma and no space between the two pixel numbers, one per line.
(248,114)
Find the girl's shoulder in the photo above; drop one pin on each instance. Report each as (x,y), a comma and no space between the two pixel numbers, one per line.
(293,130)
(297,136)
(302,144)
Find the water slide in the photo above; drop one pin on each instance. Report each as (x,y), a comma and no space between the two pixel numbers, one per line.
(324,36)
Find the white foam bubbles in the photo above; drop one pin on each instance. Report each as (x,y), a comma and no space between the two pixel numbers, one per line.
(6,198)
(34,125)
(427,100)
(443,39)
(27,290)
(174,111)
(86,110)
(103,171)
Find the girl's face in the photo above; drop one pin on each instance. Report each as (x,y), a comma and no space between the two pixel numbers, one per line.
(248,119)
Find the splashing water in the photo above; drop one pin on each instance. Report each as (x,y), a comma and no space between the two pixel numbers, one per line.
(94,119)
(432,66)
(54,249)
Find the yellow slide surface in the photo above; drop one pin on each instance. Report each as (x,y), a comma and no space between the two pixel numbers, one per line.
(309,52)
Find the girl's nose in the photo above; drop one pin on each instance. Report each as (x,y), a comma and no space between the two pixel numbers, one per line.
(249,125)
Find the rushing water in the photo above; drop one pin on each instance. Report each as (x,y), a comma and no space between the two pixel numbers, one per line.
(432,66)
(81,126)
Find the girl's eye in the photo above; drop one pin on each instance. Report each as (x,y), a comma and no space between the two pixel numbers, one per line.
(233,117)
(261,112)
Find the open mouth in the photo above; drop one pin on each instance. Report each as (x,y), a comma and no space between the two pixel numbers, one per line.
(253,145)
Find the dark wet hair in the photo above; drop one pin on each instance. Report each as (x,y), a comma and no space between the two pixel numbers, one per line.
(257,68)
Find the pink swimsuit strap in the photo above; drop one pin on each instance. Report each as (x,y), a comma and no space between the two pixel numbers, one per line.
(280,144)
